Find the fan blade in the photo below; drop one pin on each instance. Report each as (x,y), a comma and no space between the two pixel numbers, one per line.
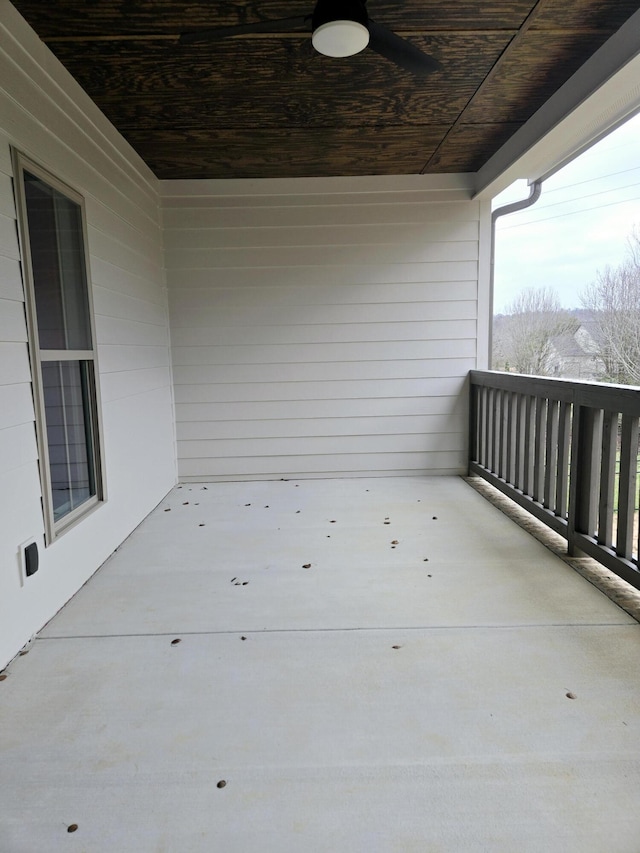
(400,51)
(274,26)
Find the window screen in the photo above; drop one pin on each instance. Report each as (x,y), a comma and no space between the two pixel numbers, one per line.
(51,220)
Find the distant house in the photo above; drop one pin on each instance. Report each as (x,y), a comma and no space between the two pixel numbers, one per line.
(575,355)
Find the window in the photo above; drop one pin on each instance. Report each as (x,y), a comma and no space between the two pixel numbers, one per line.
(62,345)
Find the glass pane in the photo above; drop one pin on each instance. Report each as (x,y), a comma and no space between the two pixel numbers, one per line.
(69,434)
(59,275)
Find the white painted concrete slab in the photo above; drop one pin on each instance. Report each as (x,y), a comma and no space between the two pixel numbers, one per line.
(329,739)
(174,574)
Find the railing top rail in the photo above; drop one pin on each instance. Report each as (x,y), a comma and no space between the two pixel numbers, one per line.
(598,395)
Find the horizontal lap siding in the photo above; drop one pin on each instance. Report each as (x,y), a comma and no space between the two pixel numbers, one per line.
(48,117)
(321,329)
(18,449)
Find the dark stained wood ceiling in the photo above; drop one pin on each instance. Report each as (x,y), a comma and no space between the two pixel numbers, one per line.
(270,106)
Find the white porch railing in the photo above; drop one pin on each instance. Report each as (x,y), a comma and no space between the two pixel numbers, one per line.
(567,452)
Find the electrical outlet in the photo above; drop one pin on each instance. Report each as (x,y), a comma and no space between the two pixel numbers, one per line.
(29,559)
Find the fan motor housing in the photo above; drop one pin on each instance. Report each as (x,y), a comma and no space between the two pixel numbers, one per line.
(328,11)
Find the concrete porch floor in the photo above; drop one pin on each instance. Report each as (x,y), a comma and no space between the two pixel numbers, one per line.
(461,690)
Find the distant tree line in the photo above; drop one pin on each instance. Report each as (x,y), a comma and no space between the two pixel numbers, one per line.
(533,332)
(614,299)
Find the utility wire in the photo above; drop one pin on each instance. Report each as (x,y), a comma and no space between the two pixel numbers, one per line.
(571,213)
(590,180)
(544,206)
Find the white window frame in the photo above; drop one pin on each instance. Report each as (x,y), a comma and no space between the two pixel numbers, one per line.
(38,356)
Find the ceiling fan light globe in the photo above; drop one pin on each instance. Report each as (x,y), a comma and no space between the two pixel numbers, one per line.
(340,38)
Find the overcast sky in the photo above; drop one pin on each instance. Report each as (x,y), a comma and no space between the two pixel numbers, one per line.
(578,226)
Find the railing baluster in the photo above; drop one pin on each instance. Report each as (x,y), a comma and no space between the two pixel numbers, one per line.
(485,428)
(627,486)
(551,463)
(564,444)
(539,452)
(491,426)
(527,486)
(607,478)
(477,423)
(499,466)
(583,501)
(500,435)
(519,443)
(514,437)
(482,426)
(510,448)
(636,516)
(504,432)
(504,436)
(474,420)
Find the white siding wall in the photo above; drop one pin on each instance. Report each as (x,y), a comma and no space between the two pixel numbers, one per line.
(322,327)
(48,117)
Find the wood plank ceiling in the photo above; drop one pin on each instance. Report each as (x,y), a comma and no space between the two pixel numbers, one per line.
(270,106)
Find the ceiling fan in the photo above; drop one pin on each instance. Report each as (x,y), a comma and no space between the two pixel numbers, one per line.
(339,28)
